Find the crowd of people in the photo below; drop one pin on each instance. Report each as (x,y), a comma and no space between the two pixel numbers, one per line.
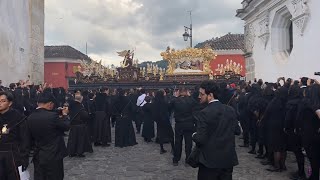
(274,118)
(281,117)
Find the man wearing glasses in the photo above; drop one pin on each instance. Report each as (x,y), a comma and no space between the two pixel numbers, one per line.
(216,126)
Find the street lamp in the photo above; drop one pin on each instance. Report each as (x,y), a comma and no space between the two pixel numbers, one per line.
(186,34)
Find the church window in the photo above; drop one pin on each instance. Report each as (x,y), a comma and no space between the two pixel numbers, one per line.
(282,41)
(291,37)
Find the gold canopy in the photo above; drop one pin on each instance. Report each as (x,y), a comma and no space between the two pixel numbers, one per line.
(174,57)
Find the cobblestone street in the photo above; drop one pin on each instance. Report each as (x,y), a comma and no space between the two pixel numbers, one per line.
(144,162)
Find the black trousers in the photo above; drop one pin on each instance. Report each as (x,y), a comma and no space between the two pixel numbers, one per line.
(139,121)
(52,170)
(245,128)
(253,133)
(180,133)
(205,173)
(8,168)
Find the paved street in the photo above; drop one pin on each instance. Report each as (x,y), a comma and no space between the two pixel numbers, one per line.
(144,162)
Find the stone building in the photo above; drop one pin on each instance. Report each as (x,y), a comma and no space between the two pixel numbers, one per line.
(281,38)
(21,40)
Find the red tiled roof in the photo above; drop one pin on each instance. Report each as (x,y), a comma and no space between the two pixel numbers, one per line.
(64,52)
(226,42)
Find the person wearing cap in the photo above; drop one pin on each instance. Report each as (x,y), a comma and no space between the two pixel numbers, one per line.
(45,129)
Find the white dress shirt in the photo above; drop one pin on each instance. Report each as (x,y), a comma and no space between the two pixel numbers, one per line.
(140,101)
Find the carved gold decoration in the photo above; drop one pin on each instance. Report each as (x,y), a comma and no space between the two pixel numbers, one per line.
(187,56)
(128,58)
(229,66)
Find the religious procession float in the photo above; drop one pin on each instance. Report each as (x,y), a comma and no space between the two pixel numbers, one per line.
(186,67)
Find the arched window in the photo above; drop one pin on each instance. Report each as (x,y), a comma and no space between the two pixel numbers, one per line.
(291,37)
(282,35)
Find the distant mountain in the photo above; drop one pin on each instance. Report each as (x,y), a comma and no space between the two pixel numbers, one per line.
(161,64)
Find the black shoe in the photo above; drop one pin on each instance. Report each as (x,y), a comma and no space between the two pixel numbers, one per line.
(296,176)
(244,145)
(273,169)
(105,145)
(175,163)
(81,156)
(260,156)
(72,155)
(252,152)
(283,168)
(97,144)
(162,151)
(266,163)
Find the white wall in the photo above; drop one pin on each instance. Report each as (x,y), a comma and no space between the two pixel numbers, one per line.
(303,60)
(16,40)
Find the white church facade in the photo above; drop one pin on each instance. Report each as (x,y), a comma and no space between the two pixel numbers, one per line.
(21,40)
(281,38)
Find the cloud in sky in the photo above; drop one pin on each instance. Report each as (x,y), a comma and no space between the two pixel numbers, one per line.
(148,26)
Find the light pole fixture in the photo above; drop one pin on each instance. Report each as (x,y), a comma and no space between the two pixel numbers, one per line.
(188,31)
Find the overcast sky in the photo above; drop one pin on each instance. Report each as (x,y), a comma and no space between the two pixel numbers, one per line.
(148,26)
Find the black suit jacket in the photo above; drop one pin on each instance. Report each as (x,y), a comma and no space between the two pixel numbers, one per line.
(216,128)
(45,129)
(183,108)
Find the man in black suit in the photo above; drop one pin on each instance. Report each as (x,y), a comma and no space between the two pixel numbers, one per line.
(182,106)
(216,127)
(46,130)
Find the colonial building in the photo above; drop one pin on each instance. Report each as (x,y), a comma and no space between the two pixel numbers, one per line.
(281,37)
(61,63)
(21,40)
(230,51)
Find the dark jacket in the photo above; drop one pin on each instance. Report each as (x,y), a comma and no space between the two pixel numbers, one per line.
(46,130)
(14,141)
(90,107)
(308,123)
(18,100)
(216,127)
(103,102)
(183,107)
(78,114)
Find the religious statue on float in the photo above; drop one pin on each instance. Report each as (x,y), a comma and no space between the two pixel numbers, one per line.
(128,58)
(229,66)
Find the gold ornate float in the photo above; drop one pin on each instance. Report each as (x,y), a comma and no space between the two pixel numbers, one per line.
(189,61)
(190,64)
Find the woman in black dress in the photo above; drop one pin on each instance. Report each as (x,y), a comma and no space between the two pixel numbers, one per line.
(274,121)
(124,132)
(309,126)
(161,117)
(148,122)
(294,143)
